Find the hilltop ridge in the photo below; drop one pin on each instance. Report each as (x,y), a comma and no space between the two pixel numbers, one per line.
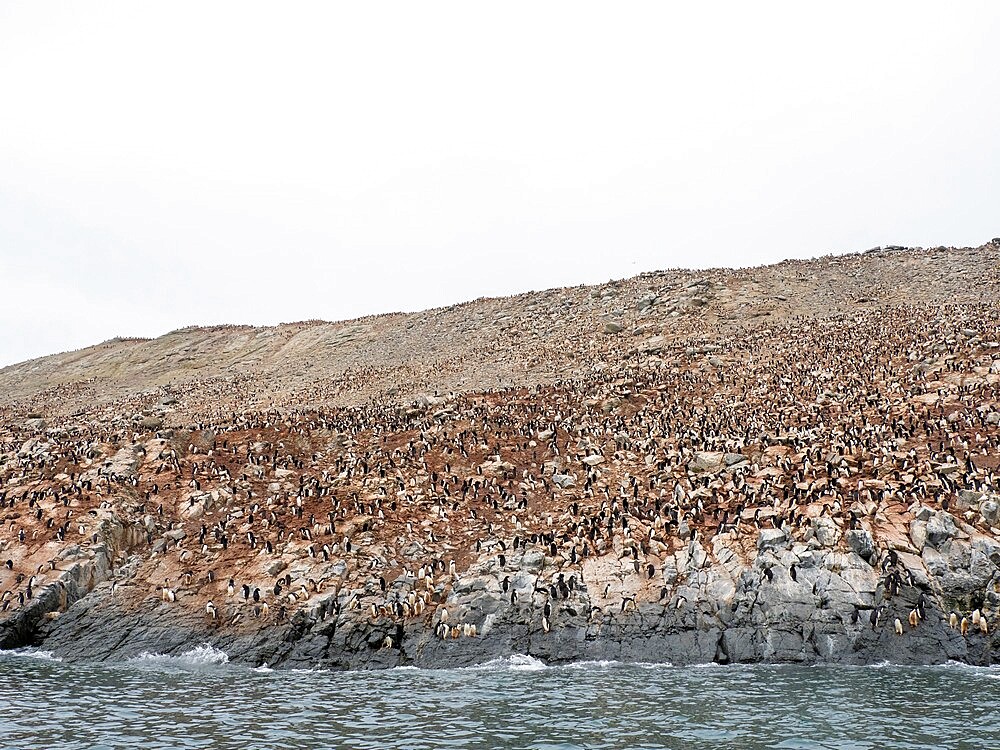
(527,338)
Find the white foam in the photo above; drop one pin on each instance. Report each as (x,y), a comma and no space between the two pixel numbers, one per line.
(200,656)
(263,668)
(512,663)
(597,664)
(31,653)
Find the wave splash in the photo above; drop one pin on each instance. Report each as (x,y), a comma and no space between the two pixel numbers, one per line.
(31,653)
(513,663)
(203,655)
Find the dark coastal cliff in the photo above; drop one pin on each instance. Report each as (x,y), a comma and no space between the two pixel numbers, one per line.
(795,463)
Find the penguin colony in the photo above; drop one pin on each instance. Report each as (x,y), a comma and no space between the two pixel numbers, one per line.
(250,503)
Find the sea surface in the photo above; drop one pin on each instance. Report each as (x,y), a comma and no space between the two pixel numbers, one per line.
(199,700)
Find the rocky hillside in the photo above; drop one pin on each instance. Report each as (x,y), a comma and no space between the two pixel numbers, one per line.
(792,463)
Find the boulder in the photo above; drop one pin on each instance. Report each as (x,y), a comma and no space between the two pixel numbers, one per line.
(968,499)
(771,539)
(707,461)
(940,529)
(498,469)
(151,423)
(826,531)
(861,542)
(918,533)
(564,480)
(989,509)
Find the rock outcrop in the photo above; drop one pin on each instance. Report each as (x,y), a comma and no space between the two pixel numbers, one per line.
(791,464)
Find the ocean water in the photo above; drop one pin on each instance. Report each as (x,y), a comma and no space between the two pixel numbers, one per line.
(199,700)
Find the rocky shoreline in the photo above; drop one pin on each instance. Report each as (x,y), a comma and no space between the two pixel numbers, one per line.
(797,601)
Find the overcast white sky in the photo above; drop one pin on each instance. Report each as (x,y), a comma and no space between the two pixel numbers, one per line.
(170,164)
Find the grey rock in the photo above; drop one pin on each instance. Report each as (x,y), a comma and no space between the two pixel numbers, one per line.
(940,529)
(827,533)
(771,539)
(989,509)
(151,423)
(968,499)
(707,461)
(861,542)
(564,480)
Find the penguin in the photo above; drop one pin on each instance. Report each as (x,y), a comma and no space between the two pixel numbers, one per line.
(898,625)
(210,609)
(964,627)
(953,621)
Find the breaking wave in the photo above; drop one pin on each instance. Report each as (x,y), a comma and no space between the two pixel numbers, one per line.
(513,663)
(200,656)
(31,653)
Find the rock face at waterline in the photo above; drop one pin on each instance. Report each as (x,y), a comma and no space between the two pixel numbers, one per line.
(795,463)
